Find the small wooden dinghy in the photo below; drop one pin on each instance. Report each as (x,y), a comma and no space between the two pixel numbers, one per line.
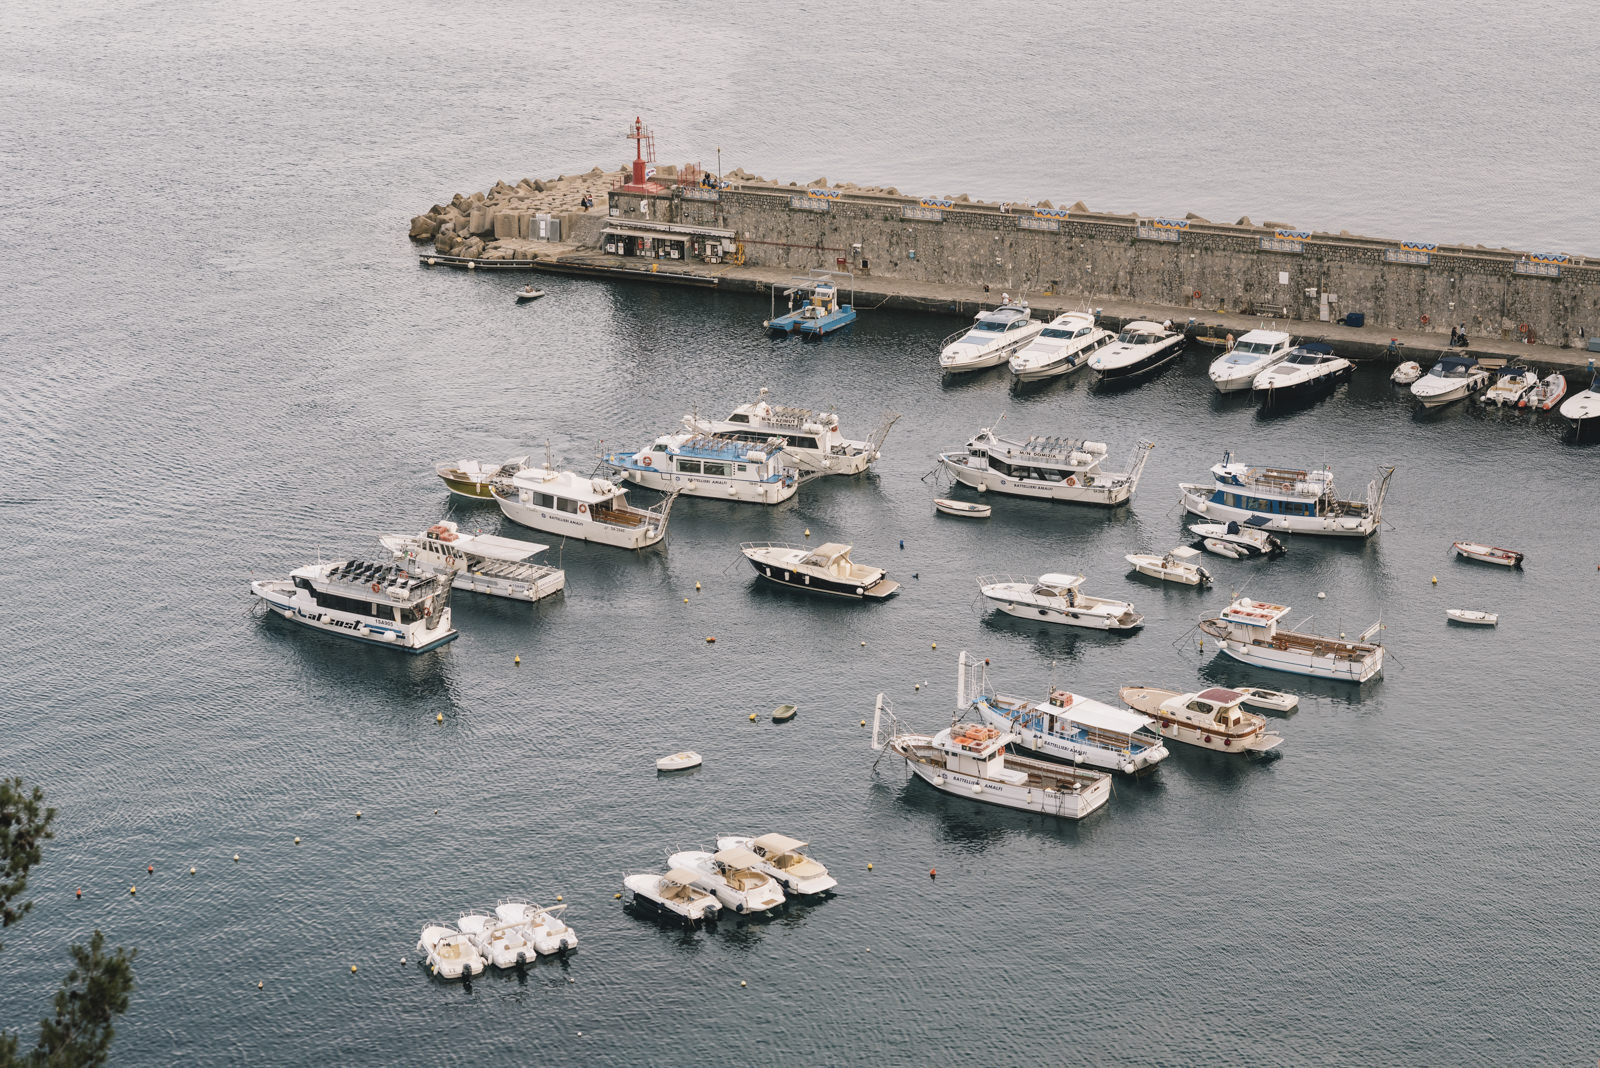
(961,508)
(1489,554)
(679,761)
(1468,615)
(1276,700)
(784,713)
(528,293)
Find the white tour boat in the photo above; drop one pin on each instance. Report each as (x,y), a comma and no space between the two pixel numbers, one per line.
(381,604)
(475,479)
(1275,700)
(588,509)
(1488,554)
(1253,353)
(784,859)
(542,926)
(990,340)
(824,569)
(673,893)
(1060,348)
(963,509)
(1051,468)
(1142,346)
(735,876)
(1055,598)
(449,953)
(1285,499)
(1511,386)
(1249,632)
(811,437)
(1176,565)
(1309,372)
(1471,616)
(1210,719)
(706,465)
(1237,540)
(1449,380)
(970,760)
(1547,394)
(1583,405)
(482,563)
(1406,373)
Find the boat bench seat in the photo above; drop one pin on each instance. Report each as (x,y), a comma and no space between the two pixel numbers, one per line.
(612,515)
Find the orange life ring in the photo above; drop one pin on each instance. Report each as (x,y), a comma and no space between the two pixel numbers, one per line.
(646,461)
(1523,328)
(1071,481)
(1197,294)
(376,587)
(583,509)
(1426,320)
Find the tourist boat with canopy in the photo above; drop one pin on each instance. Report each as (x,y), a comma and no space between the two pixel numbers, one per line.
(1285,499)
(1210,719)
(824,569)
(1056,598)
(991,339)
(1547,394)
(1236,369)
(381,604)
(1175,565)
(785,859)
(1488,554)
(710,465)
(673,893)
(1141,346)
(735,876)
(1451,379)
(1310,371)
(1511,387)
(588,509)
(448,953)
(1044,467)
(811,437)
(1249,631)
(475,479)
(1063,346)
(481,563)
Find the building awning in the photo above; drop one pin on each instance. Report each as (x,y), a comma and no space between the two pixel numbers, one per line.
(656,235)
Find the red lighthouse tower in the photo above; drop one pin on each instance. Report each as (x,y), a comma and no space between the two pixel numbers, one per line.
(644,155)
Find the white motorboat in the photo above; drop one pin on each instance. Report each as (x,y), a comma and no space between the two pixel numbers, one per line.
(735,876)
(1252,354)
(448,953)
(1056,598)
(506,940)
(1406,373)
(475,479)
(1275,700)
(381,604)
(1060,348)
(1050,468)
(970,760)
(963,509)
(680,761)
(1176,565)
(1511,387)
(1488,554)
(1449,380)
(784,859)
(706,465)
(1142,346)
(1210,719)
(990,340)
(1583,405)
(1248,631)
(811,437)
(588,509)
(673,893)
(1243,539)
(1310,371)
(482,563)
(1547,394)
(1472,617)
(542,926)
(1285,499)
(824,569)
(528,292)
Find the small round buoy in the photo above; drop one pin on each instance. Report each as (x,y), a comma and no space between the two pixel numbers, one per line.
(261,986)
(297,840)
(710,640)
(402,960)
(863,723)
(352,969)
(869,865)
(743,983)
(80,891)
(133,889)
(863,645)
(934,645)
(808,532)
(517,659)
(902,543)
(439,718)
(697,585)
(1341,634)
(752,717)
(358,813)
(1321,595)
(150,869)
(1436,580)
(933,873)
(236,858)
(615,897)
(686,600)
(191,871)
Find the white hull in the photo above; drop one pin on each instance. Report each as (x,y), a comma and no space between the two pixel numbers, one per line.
(1199,503)
(279,597)
(1066,804)
(1432,399)
(1063,366)
(1298,662)
(962,509)
(1105,491)
(1189,575)
(646,893)
(726,489)
(1092,617)
(1182,732)
(1476,619)
(967,360)
(1063,748)
(581,527)
(1582,406)
(513,589)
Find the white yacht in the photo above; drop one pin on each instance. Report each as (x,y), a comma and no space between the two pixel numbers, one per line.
(1248,631)
(1176,565)
(1051,468)
(381,604)
(1253,353)
(735,876)
(785,860)
(824,569)
(672,893)
(1510,386)
(448,953)
(1449,380)
(1142,346)
(991,339)
(706,465)
(588,509)
(1285,499)
(1210,719)
(482,563)
(475,479)
(1583,405)
(1061,347)
(811,437)
(1308,372)
(542,926)
(1055,598)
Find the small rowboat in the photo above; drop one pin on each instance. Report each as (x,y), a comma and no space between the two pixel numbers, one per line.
(1467,615)
(1489,554)
(961,508)
(1222,548)
(1275,700)
(679,761)
(528,293)
(784,713)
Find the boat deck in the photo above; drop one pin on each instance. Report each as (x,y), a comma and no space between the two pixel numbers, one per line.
(1318,646)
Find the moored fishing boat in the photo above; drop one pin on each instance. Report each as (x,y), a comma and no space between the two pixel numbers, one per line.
(1176,565)
(709,465)
(824,569)
(589,509)
(1055,598)
(380,604)
(819,313)
(481,563)
(1238,540)
(1407,373)
(448,953)
(990,340)
(475,479)
(811,437)
(1249,631)
(1050,468)
(1285,499)
(1488,554)
(1210,719)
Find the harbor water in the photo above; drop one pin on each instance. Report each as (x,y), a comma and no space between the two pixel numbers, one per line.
(222,362)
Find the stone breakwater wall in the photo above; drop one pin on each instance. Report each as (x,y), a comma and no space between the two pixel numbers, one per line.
(1243,268)
(502,223)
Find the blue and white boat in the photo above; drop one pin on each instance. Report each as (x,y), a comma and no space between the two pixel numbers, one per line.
(820,314)
(381,604)
(708,465)
(1284,499)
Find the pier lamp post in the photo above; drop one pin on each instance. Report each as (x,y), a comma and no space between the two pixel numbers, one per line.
(719,166)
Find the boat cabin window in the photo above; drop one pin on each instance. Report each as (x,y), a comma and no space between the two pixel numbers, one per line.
(303,583)
(1205,708)
(714,467)
(1018,325)
(738,417)
(567,505)
(1056,331)
(543,500)
(691,467)
(990,326)
(659,448)
(325,599)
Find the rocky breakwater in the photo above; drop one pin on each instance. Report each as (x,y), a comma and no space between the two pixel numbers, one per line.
(502,223)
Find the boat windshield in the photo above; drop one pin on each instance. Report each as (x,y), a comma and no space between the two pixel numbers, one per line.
(1302,357)
(991,326)
(1128,337)
(1055,331)
(1253,347)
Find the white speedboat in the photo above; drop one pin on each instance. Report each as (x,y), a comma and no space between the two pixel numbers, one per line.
(990,340)
(1449,380)
(785,860)
(673,893)
(1488,554)
(682,760)
(1244,539)
(587,509)
(1472,617)
(735,876)
(482,563)
(1547,394)
(1583,405)
(706,465)
(1210,719)
(811,437)
(542,926)
(824,569)
(1310,371)
(1406,373)
(1176,565)
(1285,499)
(1252,354)
(1050,468)
(1060,348)
(1142,346)
(475,479)
(963,509)
(1511,386)
(503,942)
(1249,632)
(448,953)
(381,604)
(1275,700)
(1056,598)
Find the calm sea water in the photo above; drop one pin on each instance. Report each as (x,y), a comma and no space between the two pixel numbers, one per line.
(222,362)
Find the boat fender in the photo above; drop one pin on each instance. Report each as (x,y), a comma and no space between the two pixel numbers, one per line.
(1071,481)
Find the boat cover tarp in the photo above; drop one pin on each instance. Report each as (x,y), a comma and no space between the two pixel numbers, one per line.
(778,843)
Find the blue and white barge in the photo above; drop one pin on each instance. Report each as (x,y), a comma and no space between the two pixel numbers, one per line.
(1285,499)
(709,465)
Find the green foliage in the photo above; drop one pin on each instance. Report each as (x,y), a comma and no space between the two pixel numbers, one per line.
(24,828)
